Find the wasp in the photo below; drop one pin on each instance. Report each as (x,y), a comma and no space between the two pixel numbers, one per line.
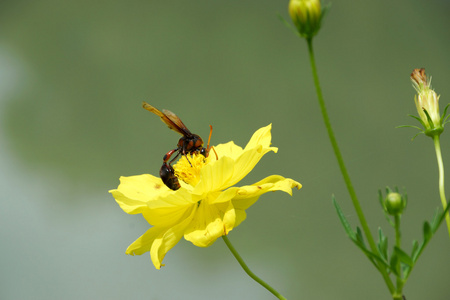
(189,143)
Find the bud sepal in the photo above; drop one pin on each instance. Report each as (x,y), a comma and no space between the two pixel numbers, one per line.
(394,203)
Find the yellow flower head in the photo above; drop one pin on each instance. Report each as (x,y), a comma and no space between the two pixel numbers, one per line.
(207,206)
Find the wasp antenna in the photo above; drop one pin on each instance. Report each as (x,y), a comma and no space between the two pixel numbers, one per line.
(209,138)
(217,157)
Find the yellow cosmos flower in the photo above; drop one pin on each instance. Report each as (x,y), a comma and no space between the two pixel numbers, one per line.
(207,206)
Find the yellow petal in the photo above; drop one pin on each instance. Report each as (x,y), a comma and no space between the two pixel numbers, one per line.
(176,198)
(225,196)
(227,172)
(233,163)
(229,218)
(171,209)
(240,216)
(208,224)
(168,239)
(144,242)
(246,162)
(248,195)
(262,137)
(215,177)
(143,186)
(130,206)
(229,149)
(159,240)
(134,192)
(256,148)
(277,183)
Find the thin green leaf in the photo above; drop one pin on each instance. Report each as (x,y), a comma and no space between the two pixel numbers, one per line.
(412,126)
(445,120)
(325,10)
(445,111)
(422,132)
(359,236)
(382,244)
(287,24)
(430,122)
(418,119)
(404,258)
(414,250)
(394,264)
(388,218)
(358,239)
(405,196)
(439,219)
(427,233)
(373,257)
(435,221)
(406,270)
(347,227)
(380,198)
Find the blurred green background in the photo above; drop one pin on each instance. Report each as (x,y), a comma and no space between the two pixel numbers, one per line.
(73,75)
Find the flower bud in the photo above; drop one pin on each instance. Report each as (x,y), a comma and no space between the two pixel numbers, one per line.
(427,103)
(394,203)
(306,15)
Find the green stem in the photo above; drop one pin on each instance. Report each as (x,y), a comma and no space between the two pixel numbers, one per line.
(398,236)
(398,243)
(437,146)
(342,167)
(247,270)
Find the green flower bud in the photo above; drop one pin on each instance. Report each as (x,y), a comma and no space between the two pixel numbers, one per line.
(427,103)
(394,203)
(306,15)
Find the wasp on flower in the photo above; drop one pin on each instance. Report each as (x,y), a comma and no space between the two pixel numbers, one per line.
(189,143)
(207,205)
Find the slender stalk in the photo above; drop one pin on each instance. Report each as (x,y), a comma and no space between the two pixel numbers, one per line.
(437,147)
(247,270)
(398,243)
(342,167)
(398,236)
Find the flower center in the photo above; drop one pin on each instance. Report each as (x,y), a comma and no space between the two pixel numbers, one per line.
(188,168)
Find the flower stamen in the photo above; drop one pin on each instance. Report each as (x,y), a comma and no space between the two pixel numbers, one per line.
(188,170)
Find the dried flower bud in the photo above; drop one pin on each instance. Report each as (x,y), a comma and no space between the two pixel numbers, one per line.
(427,103)
(419,77)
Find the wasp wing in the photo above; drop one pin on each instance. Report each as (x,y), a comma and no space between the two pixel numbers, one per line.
(169,118)
(177,121)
